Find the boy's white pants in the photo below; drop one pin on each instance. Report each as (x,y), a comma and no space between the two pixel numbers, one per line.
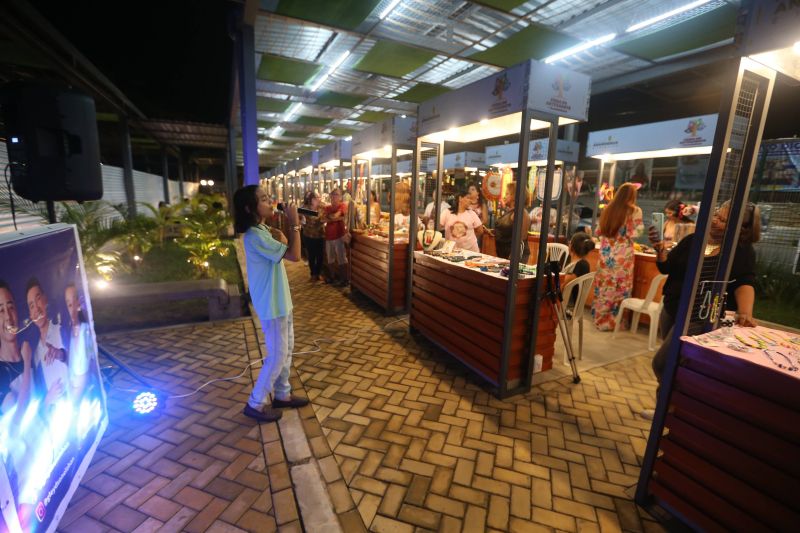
(274,375)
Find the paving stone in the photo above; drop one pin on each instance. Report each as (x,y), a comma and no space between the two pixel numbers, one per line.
(474,519)
(315,505)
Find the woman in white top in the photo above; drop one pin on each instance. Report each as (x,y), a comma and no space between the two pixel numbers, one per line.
(464,225)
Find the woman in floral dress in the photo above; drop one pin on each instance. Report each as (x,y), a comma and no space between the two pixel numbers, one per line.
(620,221)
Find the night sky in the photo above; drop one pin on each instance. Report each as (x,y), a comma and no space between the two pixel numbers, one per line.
(171,58)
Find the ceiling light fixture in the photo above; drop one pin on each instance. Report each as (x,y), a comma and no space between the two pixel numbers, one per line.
(580,48)
(796,48)
(331,70)
(668,14)
(385,12)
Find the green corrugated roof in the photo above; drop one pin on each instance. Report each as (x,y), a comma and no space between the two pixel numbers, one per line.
(422,92)
(533,42)
(341,132)
(312,121)
(289,133)
(276,68)
(339,99)
(373,116)
(504,5)
(393,59)
(703,30)
(346,14)
(272,105)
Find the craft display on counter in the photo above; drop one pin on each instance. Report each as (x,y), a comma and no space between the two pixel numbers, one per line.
(429,239)
(761,345)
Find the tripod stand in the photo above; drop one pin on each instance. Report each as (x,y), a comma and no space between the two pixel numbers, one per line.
(553,293)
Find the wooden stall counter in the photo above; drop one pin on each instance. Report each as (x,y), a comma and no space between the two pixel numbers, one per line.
(369,269)
(730,458)
(462,310)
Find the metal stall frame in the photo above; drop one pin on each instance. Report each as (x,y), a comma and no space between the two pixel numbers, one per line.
(501,388)
(686,322)
(393,180)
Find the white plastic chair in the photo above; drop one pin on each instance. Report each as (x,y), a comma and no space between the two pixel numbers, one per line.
(639,306)
(558,252)
(583,285)
(569,268)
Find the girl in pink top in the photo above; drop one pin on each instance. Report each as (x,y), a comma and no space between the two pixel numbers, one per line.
(464,225)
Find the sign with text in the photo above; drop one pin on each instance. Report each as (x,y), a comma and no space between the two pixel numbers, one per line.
(688,132)
(52,402)
(504,154)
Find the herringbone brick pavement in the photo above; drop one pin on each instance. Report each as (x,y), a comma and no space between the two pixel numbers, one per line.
(421,446)
(198,466)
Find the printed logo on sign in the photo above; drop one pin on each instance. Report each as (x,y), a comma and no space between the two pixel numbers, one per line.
(694,139)
(611,141)
(41,511)
(501,105)
(558,102)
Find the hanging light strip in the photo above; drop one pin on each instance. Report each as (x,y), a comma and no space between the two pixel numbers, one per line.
(580,48)
(663,16)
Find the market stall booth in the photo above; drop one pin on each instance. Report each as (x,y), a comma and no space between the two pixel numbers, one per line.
(380,245)
(629,155)
(485,311)
(334,167)
(305,173)
(722,452)
(502,159)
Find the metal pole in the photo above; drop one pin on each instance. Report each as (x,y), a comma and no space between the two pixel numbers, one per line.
(552,151)
(517,234)
(437,193)
(392,207)
(596,210)
(685,320)
(127,167)
(231,153)
(165,173)
(368,192)
(412,224)
(245,66)
(181,164)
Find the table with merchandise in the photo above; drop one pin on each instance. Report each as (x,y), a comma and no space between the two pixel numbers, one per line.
(458,302)
(731,454)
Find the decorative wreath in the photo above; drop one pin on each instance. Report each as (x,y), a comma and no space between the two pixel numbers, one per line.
(492,186)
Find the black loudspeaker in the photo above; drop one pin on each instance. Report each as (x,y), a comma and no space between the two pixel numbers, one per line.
(51,136)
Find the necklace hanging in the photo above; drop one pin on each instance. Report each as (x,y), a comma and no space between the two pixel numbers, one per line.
(711,248)
(714,314)
(705,307)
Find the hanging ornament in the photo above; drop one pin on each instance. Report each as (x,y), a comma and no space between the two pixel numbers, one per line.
(492,186)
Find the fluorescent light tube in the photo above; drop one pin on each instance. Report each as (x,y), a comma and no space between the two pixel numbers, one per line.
(580,48)
(668,14)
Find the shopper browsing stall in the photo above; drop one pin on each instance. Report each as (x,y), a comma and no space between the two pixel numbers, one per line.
(265,249)
(463,226)
(620,221)
(675,263)
(504,226)
(675,215)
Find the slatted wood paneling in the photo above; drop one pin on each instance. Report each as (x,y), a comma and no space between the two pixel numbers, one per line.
(731,455)
(462,311)
(369,263)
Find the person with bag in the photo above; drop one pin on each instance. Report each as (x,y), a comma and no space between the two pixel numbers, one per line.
(336,238)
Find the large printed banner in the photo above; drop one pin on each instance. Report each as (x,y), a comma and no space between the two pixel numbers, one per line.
(691,132)
(52,403)
(781,167)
